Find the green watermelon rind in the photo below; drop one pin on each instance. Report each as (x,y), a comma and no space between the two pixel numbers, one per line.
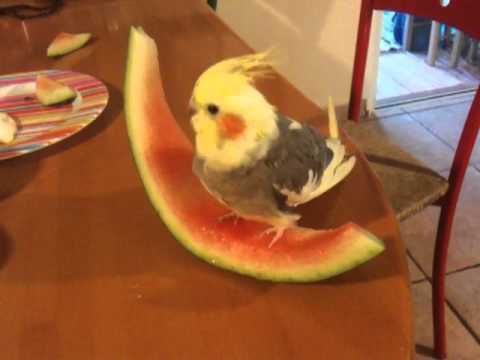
(83,38)
(364,247)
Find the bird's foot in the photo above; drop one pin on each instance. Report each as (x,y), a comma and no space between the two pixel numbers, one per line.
(278,232)
(227,216)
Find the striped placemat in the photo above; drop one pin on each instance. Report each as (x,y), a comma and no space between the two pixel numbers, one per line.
(41,126)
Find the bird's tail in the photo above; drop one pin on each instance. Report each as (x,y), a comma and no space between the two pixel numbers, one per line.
(332,119)
(339,166)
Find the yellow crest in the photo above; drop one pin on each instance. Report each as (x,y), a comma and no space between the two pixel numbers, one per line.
(250,66)
(229,76)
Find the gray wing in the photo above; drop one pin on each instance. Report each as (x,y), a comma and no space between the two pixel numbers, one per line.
(298,160)
(247,191)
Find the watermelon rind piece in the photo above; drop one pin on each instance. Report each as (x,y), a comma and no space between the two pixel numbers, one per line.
(349,245)
(52,92)
(65,43)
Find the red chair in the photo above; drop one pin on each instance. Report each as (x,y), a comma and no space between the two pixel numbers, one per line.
(463,15)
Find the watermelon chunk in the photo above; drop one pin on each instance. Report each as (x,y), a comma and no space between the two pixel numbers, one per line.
(51,92)
(65,43)
(164,154)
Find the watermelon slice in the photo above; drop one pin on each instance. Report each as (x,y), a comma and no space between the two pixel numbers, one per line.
(51,92)
(164,154)
(65,43)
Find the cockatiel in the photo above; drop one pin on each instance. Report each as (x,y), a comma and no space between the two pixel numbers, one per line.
(257,162)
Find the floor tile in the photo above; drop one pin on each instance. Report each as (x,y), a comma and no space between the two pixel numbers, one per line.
(415,273)
(401,72)
(414,74)
(419,230)
(447,123)
(461,345)
(463,292)
(416,140)
(388,87)
(461,108)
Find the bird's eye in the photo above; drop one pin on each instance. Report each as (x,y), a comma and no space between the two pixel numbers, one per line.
(213,109)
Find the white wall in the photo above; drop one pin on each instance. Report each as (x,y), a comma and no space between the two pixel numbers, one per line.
(316,40)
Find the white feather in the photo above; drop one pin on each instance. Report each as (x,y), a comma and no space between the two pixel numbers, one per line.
(335,172)
(294,198)
(294,125)
(332,119)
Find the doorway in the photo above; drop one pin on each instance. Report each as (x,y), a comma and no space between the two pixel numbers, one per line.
(421,59)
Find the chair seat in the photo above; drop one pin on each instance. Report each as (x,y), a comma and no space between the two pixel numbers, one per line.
(409,184)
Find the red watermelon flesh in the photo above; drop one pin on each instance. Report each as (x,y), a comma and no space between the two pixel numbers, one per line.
(65,43)
(163,155)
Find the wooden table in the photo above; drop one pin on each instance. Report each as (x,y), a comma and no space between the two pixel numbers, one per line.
(87,269)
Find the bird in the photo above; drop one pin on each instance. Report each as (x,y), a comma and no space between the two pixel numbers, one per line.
(259,163)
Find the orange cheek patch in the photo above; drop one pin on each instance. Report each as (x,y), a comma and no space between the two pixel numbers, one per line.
(231,126)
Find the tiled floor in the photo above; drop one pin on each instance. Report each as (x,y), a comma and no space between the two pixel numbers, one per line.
(430,132)
(404,73)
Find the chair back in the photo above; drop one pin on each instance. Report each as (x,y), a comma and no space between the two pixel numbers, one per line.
(460,14)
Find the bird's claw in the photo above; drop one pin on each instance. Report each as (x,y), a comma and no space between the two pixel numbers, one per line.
(278,232)
(230,215)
